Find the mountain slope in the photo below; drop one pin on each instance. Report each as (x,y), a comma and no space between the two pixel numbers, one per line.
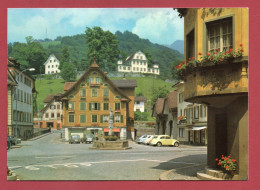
(177,45)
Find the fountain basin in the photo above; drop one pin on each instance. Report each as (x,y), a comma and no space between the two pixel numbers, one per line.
(110,145)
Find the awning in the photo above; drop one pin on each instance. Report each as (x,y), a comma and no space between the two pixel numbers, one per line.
(198,128)
(114,130)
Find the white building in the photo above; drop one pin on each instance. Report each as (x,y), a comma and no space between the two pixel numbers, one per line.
(137,63)
(22,102)
(140,103)
(52,65)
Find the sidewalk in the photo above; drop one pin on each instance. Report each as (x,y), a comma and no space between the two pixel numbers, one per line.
(184,173)
(35,138)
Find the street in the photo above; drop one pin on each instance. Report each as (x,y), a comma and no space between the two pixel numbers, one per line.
(48,158)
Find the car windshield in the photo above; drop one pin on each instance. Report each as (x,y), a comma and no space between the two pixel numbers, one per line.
(89,136)
(155,137)
(75,137)
(144,136)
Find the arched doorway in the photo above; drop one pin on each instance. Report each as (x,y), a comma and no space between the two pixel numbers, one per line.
(164,127)
(170,125)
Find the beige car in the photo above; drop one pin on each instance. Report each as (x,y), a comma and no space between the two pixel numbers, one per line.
(164,140)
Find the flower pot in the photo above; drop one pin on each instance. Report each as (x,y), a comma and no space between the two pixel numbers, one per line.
(231,172)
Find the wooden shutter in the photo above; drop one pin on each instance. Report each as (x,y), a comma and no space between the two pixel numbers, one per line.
(122,119)
(89,106)
(101,119)
(98,104)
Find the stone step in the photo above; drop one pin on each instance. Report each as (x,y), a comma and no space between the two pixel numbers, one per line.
(218,174)
(203,176)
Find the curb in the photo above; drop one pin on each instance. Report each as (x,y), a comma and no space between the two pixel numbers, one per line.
(164,175)
(35,138)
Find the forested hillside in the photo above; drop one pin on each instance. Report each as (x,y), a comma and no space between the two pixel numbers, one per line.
(128,44)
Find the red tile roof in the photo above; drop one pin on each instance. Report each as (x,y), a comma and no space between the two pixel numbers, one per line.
(172,99)
(68,85)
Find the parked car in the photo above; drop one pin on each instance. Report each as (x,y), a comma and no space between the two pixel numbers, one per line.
(148,139)
(88,138)
(164,140)
(140,139)
(75,139)
(14,140)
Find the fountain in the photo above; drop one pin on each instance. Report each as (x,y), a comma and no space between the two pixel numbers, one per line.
(110,142)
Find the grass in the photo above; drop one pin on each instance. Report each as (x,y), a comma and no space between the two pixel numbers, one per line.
(144,85)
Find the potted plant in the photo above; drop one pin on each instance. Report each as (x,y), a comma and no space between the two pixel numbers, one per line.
(227,164)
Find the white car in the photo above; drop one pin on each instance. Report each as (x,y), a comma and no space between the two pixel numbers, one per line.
(148,139)
(141,139)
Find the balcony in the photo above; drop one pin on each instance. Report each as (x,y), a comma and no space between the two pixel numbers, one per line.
(203,84)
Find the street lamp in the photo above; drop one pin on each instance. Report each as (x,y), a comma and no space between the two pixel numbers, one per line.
(19,76)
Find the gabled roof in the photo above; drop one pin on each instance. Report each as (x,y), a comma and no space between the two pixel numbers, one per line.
(158,107)
(125,83)
(94,67)
(50,57)
(172,100)
(68,85)
(51,97)
(10,79)
(140,99)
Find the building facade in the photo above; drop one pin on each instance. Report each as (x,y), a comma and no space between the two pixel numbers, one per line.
(221,85)
(140,102)
(87,104)
(51,113)
(137,63)
(22,102)
(52,65)
(165,111)
(191,120)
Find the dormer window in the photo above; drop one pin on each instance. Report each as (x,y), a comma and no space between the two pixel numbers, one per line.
(50,61)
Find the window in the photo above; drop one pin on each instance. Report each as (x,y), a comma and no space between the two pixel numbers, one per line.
(71,118)
(82,106)
(31,99)
(54,60)
(50,61)
(47,115)
(105,106)
(52,115)
(49,67)
(82,118)
(56,66)
(21,96)
(138,102)
(94,118)
(94,106)
(117,118)
(82,93)
(94,92)
(98,80)
(181,132)
(220,35)
(52,107)
(106,92)
(58,106)
(185,112)
(190,45)
(58,115)
(71,105)
(117,106)
(91,80)
(105,118)
(24,97)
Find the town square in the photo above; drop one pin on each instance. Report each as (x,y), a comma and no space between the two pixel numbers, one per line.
(120,97)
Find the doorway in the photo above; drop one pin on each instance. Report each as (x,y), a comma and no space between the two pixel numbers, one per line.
(221,134)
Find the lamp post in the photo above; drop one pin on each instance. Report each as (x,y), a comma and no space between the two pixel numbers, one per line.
(19,76)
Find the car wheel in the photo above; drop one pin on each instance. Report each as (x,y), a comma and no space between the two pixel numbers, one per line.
(176,144)
(159,144)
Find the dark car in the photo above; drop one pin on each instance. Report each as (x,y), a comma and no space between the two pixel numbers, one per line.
(14,140)
(88,138)
(75,139)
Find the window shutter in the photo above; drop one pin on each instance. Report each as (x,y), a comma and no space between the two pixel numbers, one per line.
(122,119)
(101,80)
(88,80)
(101,119)
(89,106)
(98,106)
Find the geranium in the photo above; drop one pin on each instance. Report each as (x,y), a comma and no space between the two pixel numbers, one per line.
(226,163)
(200,53)
(208,54)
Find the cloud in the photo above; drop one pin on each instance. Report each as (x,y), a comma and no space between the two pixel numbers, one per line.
(163,27)
(158,25)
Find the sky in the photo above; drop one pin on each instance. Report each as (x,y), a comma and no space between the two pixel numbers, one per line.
(159,25)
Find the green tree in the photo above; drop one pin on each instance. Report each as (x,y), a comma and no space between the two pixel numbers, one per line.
(68,72)
(102,45)
(65,57)
(160,92)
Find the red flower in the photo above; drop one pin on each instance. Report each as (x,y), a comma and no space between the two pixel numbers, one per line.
(226,167)
(189,58)
(200,53)
(192,58)
(211,58)
(216,159)
(230,50)
(227,162)
(219,164)
(215,53)
(218,49)
(233,160)
(241,45)
(242,50)
(208,54)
